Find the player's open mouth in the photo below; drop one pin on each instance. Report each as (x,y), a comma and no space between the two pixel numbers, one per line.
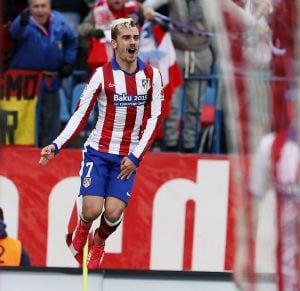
(131,51)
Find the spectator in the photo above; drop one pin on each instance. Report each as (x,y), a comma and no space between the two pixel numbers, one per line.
(44,42)
(12,253)
(96,27)
(194,56)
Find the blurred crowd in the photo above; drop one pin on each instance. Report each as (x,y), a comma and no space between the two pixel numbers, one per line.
(68,40)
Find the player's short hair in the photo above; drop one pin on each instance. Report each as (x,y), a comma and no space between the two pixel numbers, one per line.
(29,2)
(117,24)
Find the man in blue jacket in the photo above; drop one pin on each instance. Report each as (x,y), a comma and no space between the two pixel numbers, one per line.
(44,42)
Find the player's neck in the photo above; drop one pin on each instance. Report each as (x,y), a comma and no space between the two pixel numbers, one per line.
(126,66)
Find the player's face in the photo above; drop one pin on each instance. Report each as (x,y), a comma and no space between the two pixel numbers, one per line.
(40,10)
(127,44)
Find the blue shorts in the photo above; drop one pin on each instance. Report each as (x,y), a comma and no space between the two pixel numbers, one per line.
(99,173)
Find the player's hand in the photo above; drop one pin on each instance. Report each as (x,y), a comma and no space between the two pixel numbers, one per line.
(149,13)
(47,154)
(127,168)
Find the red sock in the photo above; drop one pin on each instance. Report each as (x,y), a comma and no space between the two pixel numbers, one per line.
(85,223)
(105,230)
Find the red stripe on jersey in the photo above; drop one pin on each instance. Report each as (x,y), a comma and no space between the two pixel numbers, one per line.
(110,113)
(131,89)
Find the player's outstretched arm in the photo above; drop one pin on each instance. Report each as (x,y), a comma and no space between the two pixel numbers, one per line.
(47,154)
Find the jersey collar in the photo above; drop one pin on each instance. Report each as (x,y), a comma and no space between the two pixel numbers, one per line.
(115,65)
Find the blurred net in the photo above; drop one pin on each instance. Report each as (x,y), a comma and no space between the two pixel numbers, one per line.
(257,43)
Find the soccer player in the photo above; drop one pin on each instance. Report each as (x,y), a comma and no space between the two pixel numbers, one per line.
(130,99)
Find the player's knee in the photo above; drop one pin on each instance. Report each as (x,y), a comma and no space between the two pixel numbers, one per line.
(90,212)
(113,215)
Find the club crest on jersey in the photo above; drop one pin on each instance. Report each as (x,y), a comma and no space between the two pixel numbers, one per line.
(87,182)
(146,84)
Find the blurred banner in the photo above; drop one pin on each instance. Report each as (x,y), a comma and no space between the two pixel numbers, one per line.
(19,91)
(180,216)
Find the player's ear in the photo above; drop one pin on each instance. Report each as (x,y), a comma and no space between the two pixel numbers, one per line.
(114,44)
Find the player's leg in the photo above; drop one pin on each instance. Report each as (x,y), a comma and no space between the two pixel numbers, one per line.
(110,220)
(91,209)
(93,179)
(118,194)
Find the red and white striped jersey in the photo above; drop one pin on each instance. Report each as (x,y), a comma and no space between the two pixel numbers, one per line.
(130,110)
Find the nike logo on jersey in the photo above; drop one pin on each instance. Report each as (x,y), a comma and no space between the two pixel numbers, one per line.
(128,194)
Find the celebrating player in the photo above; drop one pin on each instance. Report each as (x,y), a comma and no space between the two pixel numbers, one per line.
(130,99)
